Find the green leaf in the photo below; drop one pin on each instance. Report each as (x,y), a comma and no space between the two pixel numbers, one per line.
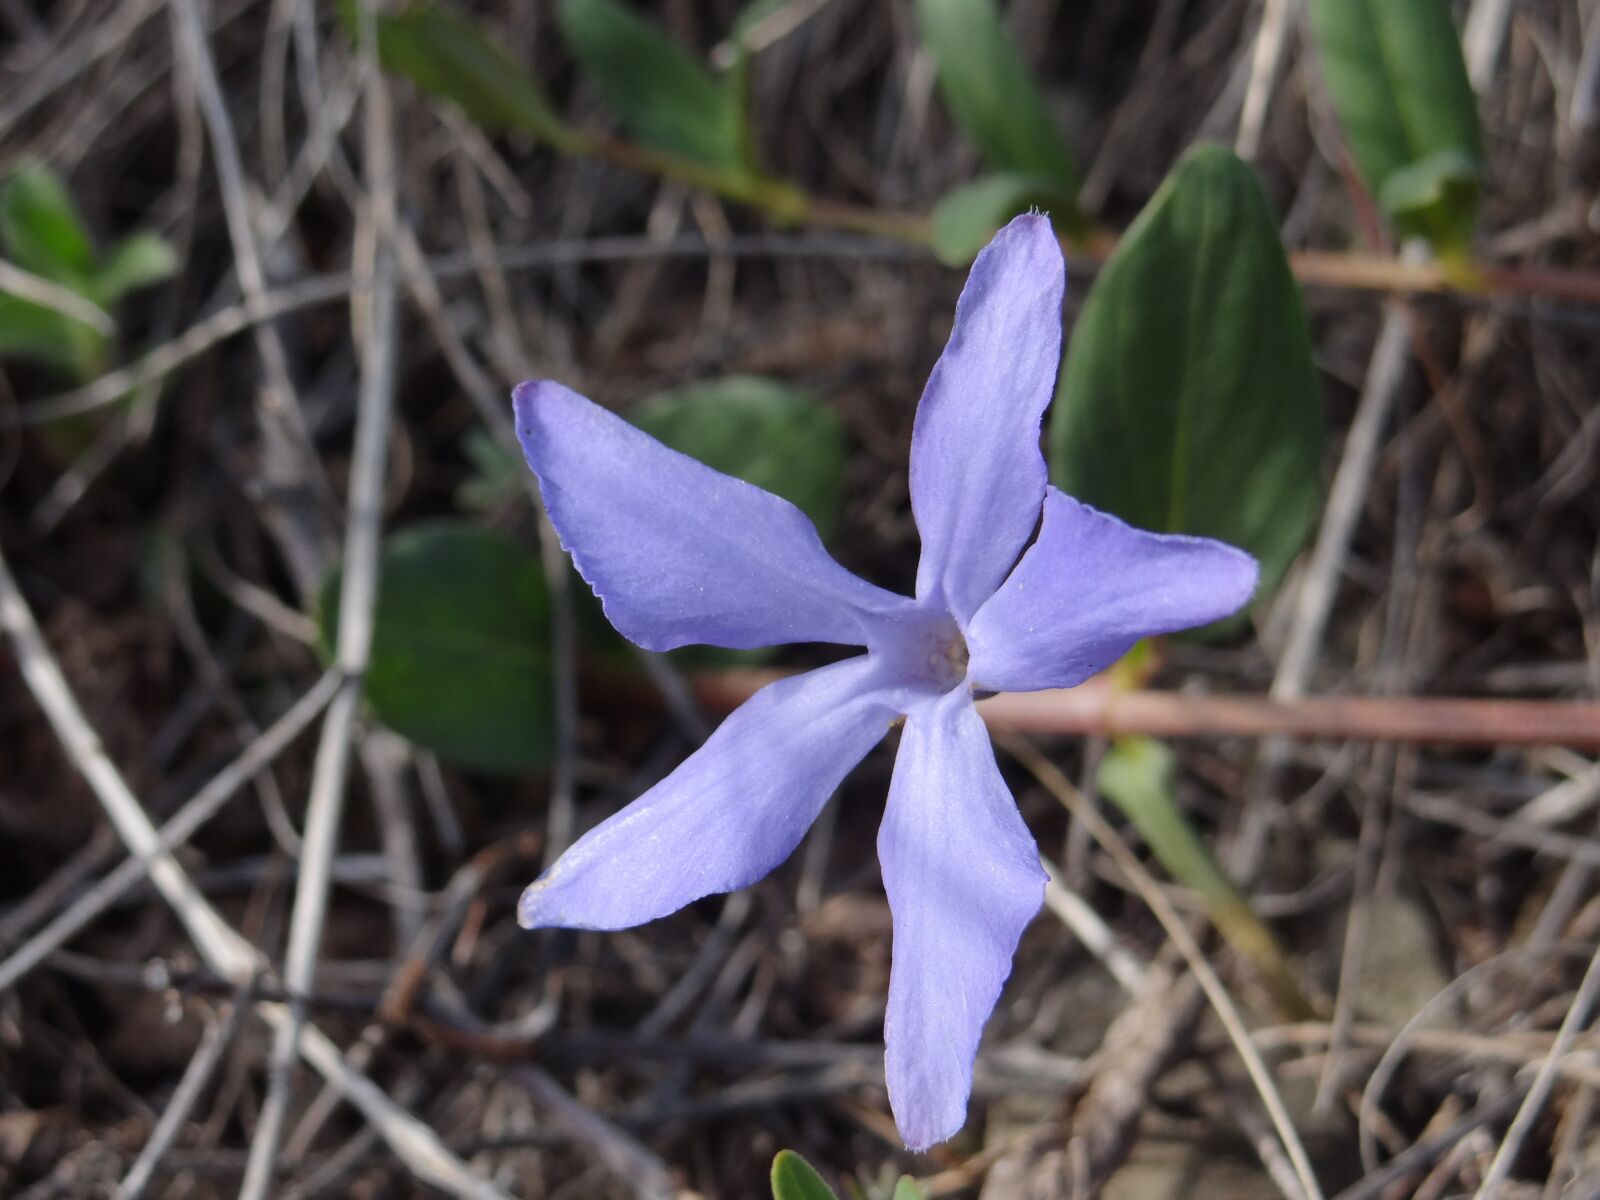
(966,217)
(762,431)
(41,229)
(992,96)
(135,262)
(1137,775)
(1189,402)
(451,57)
(736,75)
(460,645)
(907,1189)
(32,331)
(662,95)
(793,1178)
(1398,82)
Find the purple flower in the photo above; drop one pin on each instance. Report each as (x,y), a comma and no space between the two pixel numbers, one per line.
(679,553)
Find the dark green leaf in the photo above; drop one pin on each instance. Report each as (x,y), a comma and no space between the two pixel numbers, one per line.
(793,1178)
(968,216)
(1399,85)
(1189,402)
(32,331)
(460,645)
(40,227)
(451,57)
(135,262)
(762,431)
(992,96)
(662,96)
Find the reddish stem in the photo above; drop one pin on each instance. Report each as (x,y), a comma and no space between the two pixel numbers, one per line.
(1097,708)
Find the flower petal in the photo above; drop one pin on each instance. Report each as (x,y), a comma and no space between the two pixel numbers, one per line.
(677,552)
(977,475)
(728,815)
(964,880)
(1091,587)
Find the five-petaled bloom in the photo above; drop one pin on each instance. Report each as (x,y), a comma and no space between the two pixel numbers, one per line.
(679,553)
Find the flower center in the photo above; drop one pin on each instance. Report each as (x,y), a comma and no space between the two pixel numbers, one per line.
(950,651)
(928,652)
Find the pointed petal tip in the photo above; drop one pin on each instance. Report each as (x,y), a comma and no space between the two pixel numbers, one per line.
(1034,228)
(1030,222)
(528,914)
(522,396)
(528,395)
(977,474)
(1234,587)
(1249,577)
(924,1131)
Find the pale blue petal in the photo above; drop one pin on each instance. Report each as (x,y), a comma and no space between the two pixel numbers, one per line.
(963,878)
(1091,587)
(732,812)
(679,553)
(977,476)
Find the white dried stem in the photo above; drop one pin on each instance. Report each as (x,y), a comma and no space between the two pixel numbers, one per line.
(1090,929)
(1054,781)
(179,829)
(221,947)
(290,456)
(1265,55)
(215,1040)
(1533,1104)
(51,295)
(357,601)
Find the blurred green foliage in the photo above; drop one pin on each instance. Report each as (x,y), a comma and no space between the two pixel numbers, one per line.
(460,645)
(1398,82)
(662,95)
(451,56)
(999,106)
(793,1178)
(42,233)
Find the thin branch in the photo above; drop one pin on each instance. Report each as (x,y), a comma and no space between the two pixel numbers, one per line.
(1520,959)
(51,295)
(1099,707)
(1575,1020)
(216,1039)
(70,61)
(228,954)
(221,947)
(290,455)
(1264,57)
(628,1160)
(1483,38)
(1346,501)
(1090,929)
(1058,785)
(357,602)
(1346,271)
(194,813)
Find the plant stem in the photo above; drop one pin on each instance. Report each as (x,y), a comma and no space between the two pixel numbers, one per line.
(1095,708)
(1137,777)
